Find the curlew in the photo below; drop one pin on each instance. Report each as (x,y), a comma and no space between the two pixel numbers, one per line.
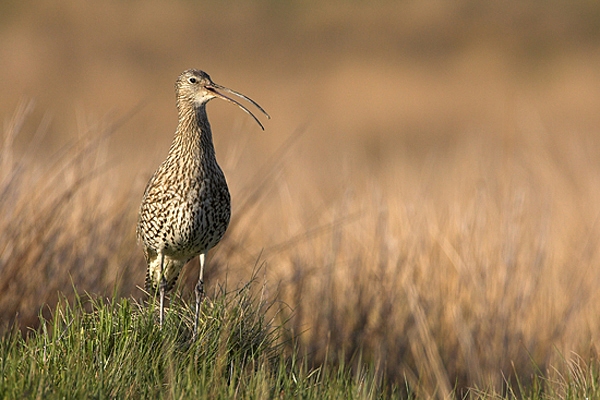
(186,206)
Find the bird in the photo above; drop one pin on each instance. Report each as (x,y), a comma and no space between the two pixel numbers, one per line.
(186,206)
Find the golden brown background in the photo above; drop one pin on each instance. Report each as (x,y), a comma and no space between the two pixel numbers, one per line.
(426,193)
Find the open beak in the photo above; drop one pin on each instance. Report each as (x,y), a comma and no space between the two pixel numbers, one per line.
(214,88)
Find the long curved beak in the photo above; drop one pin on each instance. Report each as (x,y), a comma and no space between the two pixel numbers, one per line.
(214,88)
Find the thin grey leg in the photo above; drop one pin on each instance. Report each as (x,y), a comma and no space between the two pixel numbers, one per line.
(161,288)
(199,294)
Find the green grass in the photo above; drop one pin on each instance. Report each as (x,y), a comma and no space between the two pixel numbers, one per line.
(93,348)
(115,349)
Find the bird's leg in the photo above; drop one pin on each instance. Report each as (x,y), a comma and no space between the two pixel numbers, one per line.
(199,294)
(161,288)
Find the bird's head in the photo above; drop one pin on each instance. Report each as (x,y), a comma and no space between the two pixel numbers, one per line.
(196,87)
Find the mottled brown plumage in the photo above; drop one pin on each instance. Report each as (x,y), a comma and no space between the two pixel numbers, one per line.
(186,206)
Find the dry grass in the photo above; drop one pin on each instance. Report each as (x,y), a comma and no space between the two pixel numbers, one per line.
(437,216)
(63,223)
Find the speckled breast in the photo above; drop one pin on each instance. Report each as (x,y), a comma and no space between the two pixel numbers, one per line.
(209,219)
(184,220)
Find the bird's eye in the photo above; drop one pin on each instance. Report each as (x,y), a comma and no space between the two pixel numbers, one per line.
(192,80)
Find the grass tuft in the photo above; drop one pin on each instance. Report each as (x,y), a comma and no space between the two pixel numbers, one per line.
(96,348)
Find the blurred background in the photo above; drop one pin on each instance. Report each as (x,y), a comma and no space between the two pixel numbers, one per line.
(426,193)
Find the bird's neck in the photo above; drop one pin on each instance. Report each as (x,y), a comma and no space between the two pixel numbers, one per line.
(194,136)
